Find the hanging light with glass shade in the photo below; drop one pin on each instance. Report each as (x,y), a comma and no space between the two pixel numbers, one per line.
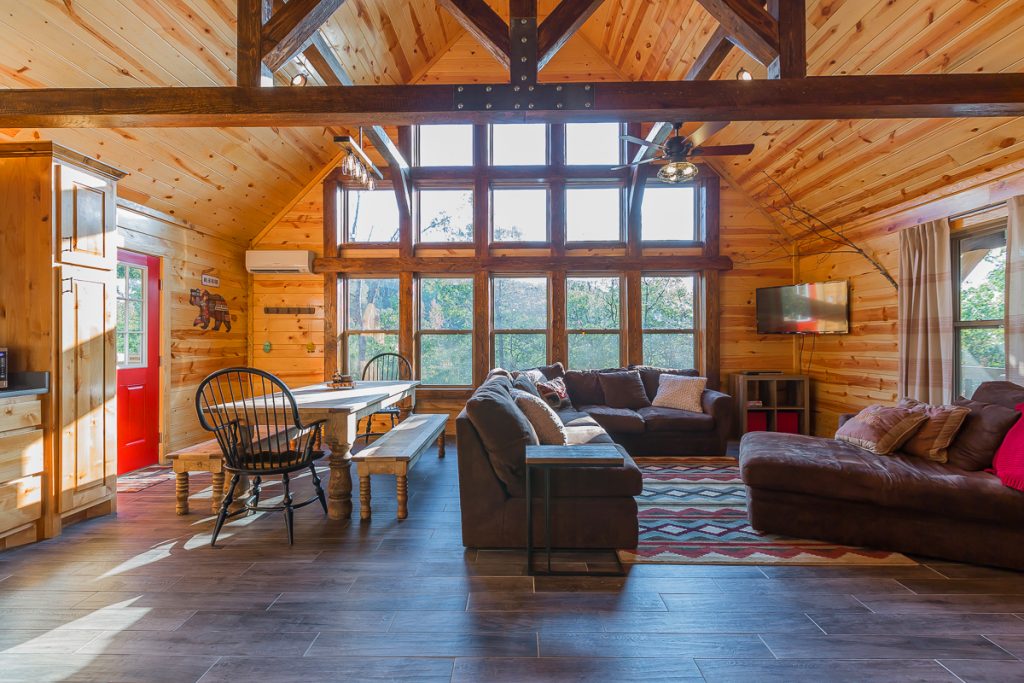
(357,164)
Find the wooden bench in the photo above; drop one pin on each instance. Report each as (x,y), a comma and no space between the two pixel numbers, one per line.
(203,457)
(395,453)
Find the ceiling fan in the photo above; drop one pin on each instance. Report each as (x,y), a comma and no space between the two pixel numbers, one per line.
(678,150)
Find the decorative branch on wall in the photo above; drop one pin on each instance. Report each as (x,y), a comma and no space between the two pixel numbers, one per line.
(817,229)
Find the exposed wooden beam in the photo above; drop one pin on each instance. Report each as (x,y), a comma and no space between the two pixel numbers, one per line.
(518,264)
(484,24)
(291,28)
(561,25)
(711,56)
(248,65)
(333,73)
(749,26)
(791,16)
(792,99)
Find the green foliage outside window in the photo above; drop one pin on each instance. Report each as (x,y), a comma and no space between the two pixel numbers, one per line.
(592,318)
(520,304)
(982,298)
(372,310)
(669,305)
(446,324)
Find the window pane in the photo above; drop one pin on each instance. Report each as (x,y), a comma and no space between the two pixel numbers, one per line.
(669,350)
(122,315)
(446,359)
(592,303)
(446,304)
(121,277)
(592,143)
(983,277)
(520,303)
(134,316)
(363,347)
(518,351)
(446,215)
(593,214)
(373,304)
(668,303)
(372,216)
(121,350)
(134,349)
(446,145)
(593,351)
(135,276)
(982,357)
(667,213)
(520,215)
(519,144)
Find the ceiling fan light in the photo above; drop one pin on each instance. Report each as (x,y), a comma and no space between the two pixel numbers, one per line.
(677,172)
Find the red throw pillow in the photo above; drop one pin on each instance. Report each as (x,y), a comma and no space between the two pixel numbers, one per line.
(1008,464)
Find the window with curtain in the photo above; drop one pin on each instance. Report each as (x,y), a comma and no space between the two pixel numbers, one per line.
(371,320)
(446,331)
(979,307)
(669,320)
(594,322)
(520,308)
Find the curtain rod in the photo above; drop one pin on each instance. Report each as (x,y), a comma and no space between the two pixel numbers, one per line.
(980,209)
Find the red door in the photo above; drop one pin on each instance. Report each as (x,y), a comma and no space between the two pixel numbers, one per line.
(138,360)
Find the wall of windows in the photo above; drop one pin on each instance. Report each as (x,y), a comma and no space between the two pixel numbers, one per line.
(446,331)
(669,320)
(979,263)
(520,306)
(593,320)
(371,320)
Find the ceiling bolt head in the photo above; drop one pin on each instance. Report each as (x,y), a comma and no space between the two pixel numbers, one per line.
(523,60)
(559,105)
(488,89)
(586,87)
(488,105)
(518,105)
(460,88)
(460,105)
(523,22)
(523,77)
(515,88)
(523,40)
(587,105)
(530,105)
(530,88)
(558,88)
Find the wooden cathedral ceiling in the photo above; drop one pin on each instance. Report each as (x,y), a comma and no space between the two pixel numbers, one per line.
(235,180)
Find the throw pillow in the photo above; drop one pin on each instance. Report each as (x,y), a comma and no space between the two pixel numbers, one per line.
(650,374)
(881,429)
(979,438)
(932,440)
(1008,463)
(525,383)
(623,389)
(554,392)
(584,388)
(546,423)
(680,392)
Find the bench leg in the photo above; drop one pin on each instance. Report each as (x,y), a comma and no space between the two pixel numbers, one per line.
(364,495)
(181,493)
(402,490)
(216,491)
(440,445)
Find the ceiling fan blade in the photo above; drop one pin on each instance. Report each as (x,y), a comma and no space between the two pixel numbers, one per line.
(640,141)
(706,130)
(722,151)
(638,163)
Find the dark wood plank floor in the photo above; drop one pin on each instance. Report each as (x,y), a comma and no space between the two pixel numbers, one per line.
(142,597)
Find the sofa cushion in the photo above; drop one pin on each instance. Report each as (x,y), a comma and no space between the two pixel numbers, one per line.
(593,482)
(932,440)
(504,431)
(825,468)
(575,418)
(623,389)
(584,388)
(524,383)
(621,420)
(582,434)
(881,429)
(979,438)
(1005,394)
(546,424)
(672,420)
(650,375)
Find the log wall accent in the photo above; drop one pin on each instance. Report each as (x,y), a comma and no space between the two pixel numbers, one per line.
(189,353)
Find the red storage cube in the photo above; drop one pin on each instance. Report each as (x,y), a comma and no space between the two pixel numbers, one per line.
(757,421)
(787,422)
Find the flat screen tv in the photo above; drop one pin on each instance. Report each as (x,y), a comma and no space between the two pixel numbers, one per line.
(810,308)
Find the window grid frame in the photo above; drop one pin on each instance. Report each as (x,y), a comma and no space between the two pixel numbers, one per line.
(345,333)
(693,331)
(143,330)
(547,331)
(622,330)
(420,333)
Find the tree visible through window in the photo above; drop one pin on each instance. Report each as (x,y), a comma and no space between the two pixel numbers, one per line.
(593,322)
(520,322)
(371,320)
(131,307)
(446,215)
(446,331)
(519,214)
(980,262)
(669,320)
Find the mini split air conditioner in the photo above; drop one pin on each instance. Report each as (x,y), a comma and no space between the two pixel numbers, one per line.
(294,261)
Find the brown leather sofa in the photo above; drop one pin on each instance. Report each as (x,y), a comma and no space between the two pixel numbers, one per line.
(820,488)
(591,507)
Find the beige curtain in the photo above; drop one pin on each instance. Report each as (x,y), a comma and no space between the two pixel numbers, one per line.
(926,313)
(1015,290)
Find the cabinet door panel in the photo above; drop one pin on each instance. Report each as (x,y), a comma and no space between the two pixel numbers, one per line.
(87,389)
(85,217)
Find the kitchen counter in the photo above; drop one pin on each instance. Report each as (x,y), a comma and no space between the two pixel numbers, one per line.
(26,384)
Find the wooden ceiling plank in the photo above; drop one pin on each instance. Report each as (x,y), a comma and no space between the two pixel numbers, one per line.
(791,18)
(561,25)
(484,24)
(291,27)
(752,29)
(248,65)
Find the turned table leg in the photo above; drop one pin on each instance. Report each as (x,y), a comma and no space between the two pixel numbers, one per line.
(364,493)
(402,490)
(181,492)
(216,491)
(440,445)
(339,488)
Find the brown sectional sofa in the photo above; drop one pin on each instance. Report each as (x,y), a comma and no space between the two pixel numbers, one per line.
(821,488)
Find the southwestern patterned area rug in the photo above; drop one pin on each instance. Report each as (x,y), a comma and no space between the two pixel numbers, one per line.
(694,511)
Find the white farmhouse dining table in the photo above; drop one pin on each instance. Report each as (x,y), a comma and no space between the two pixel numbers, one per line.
(342,409)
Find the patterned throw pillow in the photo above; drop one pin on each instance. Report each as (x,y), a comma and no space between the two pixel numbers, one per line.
(881,429)
(932,440)
(681,393)
(554,392)
(546,423)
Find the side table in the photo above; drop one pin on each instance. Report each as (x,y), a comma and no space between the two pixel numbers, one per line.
(546,458)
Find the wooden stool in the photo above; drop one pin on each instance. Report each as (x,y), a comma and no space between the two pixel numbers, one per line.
(203,457)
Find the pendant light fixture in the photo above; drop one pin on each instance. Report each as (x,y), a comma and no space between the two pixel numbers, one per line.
(357,164)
